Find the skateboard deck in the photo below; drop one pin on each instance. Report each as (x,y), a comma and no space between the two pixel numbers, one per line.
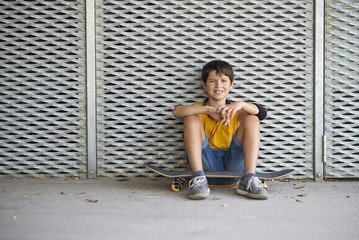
(218,174)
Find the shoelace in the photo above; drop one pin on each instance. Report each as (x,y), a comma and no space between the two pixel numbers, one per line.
(196,181)
(253,182)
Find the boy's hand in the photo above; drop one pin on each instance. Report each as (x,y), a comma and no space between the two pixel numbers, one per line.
(215,114)
(220,114)
(227,112)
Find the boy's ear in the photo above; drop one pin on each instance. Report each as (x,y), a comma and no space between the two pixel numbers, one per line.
(232,84)
(204,85)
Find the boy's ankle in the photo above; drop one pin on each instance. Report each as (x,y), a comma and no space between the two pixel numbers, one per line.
(198,174)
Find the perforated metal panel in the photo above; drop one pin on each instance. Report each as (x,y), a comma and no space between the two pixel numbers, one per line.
(42,128)
(342,89)
(150,54)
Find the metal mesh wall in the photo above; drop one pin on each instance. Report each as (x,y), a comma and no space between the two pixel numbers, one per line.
(342,88)
(42,127)
(149,58)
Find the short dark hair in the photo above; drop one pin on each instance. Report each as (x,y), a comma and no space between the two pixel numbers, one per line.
(221,67)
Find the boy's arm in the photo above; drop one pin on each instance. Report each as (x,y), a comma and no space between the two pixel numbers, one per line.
(230,110)
(187,110)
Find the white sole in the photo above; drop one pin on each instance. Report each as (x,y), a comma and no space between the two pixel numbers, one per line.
(199,196)
(251,195)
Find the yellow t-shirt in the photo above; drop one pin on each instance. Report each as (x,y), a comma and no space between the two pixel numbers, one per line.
(221,135)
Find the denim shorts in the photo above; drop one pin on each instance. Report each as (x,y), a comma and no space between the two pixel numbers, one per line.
(223,160)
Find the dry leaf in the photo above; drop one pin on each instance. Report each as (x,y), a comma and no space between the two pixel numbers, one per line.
(301,187)
(216,198)
(92,201)
(25,196)
(123,180)
(80,193)
(163,192)
(298,201)
(303,195)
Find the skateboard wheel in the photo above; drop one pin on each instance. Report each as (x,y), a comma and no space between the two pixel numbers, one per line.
(176,187)
(264,185)
(177,184)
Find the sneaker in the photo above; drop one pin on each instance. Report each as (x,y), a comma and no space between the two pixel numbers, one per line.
(198,188)
(250,186)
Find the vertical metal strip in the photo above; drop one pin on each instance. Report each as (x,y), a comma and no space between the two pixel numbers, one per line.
(91,88)
(318,87)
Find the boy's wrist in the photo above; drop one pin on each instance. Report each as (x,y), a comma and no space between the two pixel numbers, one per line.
(209,110)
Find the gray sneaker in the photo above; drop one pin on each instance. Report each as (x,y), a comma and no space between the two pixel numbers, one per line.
(198,188)
(250,186)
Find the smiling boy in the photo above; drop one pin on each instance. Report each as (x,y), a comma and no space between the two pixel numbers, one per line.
(222,136)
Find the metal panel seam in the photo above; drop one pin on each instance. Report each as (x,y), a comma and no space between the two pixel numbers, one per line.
(318,89)
(91,88)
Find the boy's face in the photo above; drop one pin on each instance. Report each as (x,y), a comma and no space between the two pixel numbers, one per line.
(217,86)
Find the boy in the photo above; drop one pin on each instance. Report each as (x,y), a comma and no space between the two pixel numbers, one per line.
(222,136)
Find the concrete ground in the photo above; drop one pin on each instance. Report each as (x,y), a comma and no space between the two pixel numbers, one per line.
(145,208)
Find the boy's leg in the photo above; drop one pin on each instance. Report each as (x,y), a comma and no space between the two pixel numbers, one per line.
(194,135)
(249,134)
(233,160)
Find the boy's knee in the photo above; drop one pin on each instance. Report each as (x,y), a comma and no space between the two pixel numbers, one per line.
(251,120)
(193,125)
(193,122)
(192,119)
(249,124)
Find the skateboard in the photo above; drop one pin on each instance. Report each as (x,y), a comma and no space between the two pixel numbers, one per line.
(179,176)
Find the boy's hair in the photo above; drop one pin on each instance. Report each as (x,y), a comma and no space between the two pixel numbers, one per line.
(221,67)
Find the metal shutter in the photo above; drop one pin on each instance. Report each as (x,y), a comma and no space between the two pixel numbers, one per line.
(342,89)
(42,124)
(149,56)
